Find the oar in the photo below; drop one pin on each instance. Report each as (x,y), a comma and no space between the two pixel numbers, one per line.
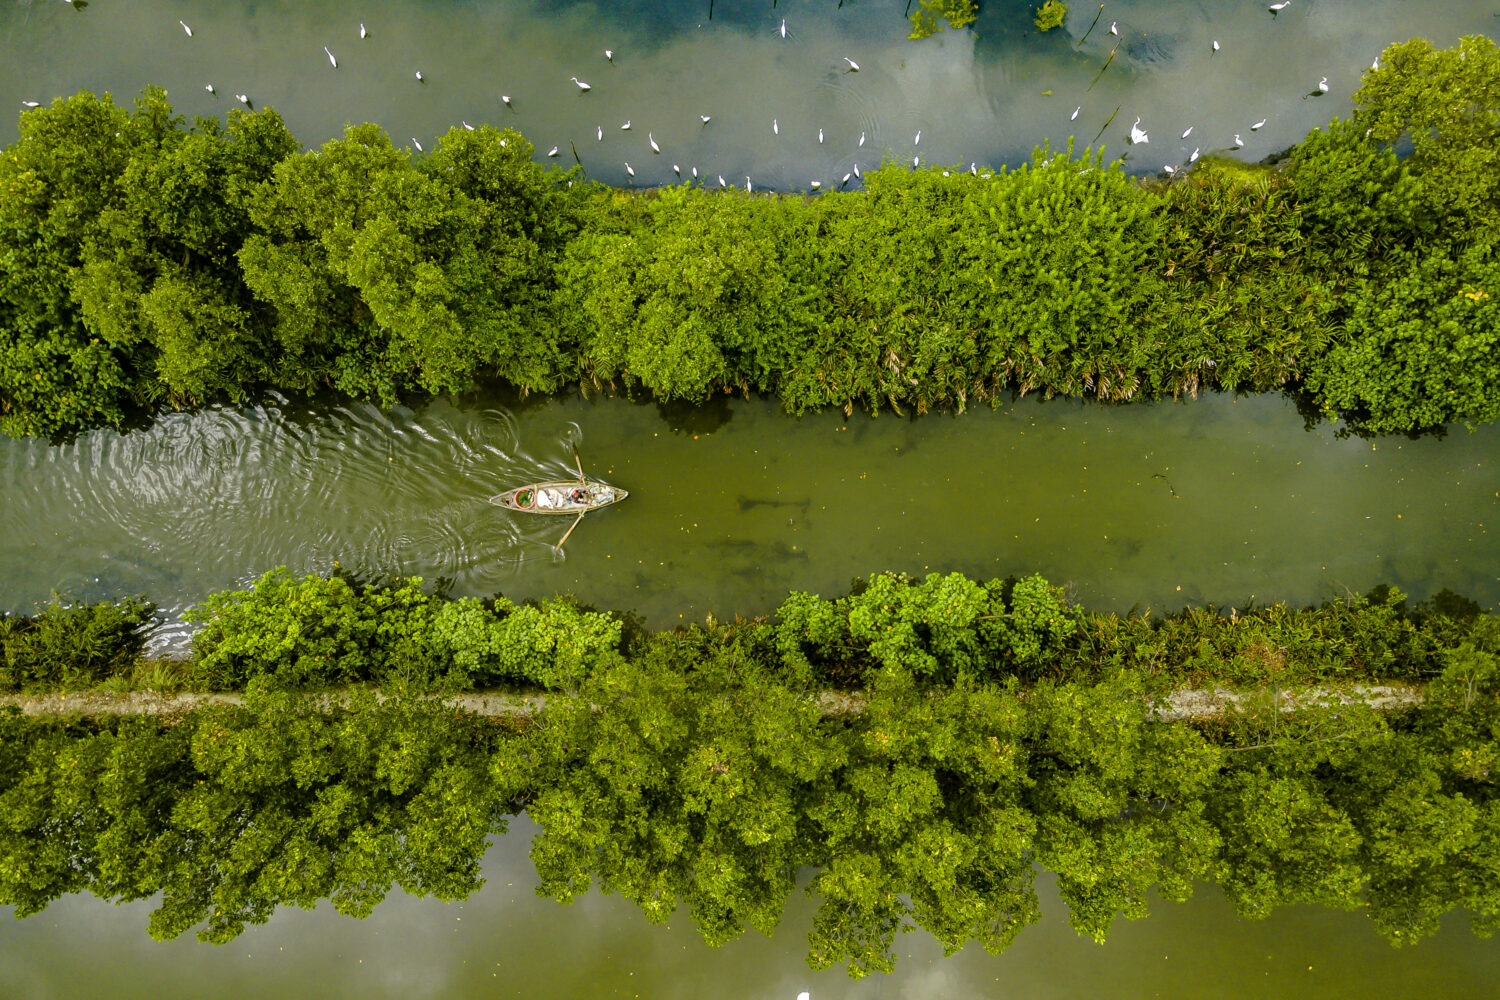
(568,532)
(580,467)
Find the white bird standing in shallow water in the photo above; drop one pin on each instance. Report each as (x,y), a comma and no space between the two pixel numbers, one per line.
(1187,131)
(332,61)
(1376,64)
(705,119)
(630,170)
(722,182)
(820,135)
(654,147)
(1137,134)
(363,33)
(853,66)
(816,184)
(1074,116)
(1193,157)
(552,151)
(581,84)
(1114,28)
(609,54)
(1238,142)
(505,100)
(676,170)
(414,142)
(748,188)
(243,99)
(918,140)
(420,78)
(861,138)
(856,171)
(1323,85)
(31,104)
(466,125)
(782,30)
(775,127)
(626,126)
(1256,126)
(186,28)
(1216,45)
(600,134)
(210,88)
(1277,8)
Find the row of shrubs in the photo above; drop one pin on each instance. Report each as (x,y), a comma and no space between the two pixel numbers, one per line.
(148,262)
(320,631)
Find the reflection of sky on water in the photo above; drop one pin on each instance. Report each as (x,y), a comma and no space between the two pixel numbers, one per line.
(506,942)
(988,95)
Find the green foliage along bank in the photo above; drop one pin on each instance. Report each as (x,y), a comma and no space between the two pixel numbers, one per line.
(944,631)
(710,786)
(145,262)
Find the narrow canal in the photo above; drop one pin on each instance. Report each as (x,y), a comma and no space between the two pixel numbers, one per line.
(1221,499)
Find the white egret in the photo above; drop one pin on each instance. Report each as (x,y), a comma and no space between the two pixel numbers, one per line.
(804,995)
(363,32)
(1187,131)
(775,127)
(626,126)
(31,104)
(1074,116)
(856,171)
(676,170)
(1376,64)
(722,182)
(600,134)
(552,151)
(332,61)
(973,169)
(1170,170)
(782,30)
(243,99)
(1238,142)
(581,84)
(630,170)
(210,88)
(654,147)
(466,125)
(816,185)
(1256,126)
(1216,45)
(748,187)
(414,142)
(820,135)
(705,119)
(420,78)
(695,173)
(1138,134)
(1114,28)
(609,54)
(505,100)
(845,180)
(916,161)
(853,66)
(861,138)
(1323,85)
(1277,8)
(185,27)
(1193,156)
(918,140)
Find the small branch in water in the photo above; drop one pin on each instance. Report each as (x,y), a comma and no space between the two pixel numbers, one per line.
(1106,123)
(1104,67)
(1095,21)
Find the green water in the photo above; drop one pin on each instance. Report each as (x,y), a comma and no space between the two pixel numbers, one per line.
(1221,500)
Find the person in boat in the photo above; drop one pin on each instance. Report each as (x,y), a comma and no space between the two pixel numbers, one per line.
(578,495)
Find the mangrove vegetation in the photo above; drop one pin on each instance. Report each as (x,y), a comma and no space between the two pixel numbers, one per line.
(147,262)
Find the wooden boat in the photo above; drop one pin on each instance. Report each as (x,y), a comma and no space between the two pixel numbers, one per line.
(561,496)
(575,496)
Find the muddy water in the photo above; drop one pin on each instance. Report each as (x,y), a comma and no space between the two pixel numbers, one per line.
(1221,499)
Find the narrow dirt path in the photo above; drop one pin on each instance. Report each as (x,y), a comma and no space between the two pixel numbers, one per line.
(1185,704)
